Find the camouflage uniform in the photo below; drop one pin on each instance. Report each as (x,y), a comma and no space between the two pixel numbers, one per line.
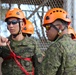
(25,48)
(60,58)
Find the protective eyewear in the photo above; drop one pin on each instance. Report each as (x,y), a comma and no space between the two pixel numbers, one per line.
(51,25)
(12,22)
(48,27)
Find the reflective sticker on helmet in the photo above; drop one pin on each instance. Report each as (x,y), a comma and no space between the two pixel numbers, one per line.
(17,13)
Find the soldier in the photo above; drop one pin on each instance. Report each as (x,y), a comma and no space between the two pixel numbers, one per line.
(28,29)
(20,53)
(60,57)
(72,32)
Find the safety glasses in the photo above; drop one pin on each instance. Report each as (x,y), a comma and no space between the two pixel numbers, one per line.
(51,25)
(48,27)
(13,22)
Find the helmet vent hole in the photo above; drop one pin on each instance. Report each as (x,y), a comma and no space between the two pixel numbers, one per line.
(50,13)
(47,18)
(63,12)
(53,11)
(57,11)
(60,11)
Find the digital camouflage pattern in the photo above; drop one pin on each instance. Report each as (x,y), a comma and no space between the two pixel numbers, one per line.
(60,58)
(24,48)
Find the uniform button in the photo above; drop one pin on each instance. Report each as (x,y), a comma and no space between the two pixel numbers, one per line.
(10,65)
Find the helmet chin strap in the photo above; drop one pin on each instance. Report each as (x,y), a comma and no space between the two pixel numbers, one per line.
(59,31)
(15,35)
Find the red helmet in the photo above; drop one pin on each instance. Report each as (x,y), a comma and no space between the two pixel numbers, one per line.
(56,13)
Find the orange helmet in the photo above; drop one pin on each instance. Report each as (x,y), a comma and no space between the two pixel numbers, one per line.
(71,31)
(16,12)
(56,13)
(28,28)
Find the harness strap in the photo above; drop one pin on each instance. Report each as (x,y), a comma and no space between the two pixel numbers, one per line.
(19,65)
(14,56)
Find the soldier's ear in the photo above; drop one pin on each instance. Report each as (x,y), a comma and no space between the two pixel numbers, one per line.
(22,24)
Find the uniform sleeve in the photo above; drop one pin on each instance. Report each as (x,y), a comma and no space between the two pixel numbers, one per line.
(38,58)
